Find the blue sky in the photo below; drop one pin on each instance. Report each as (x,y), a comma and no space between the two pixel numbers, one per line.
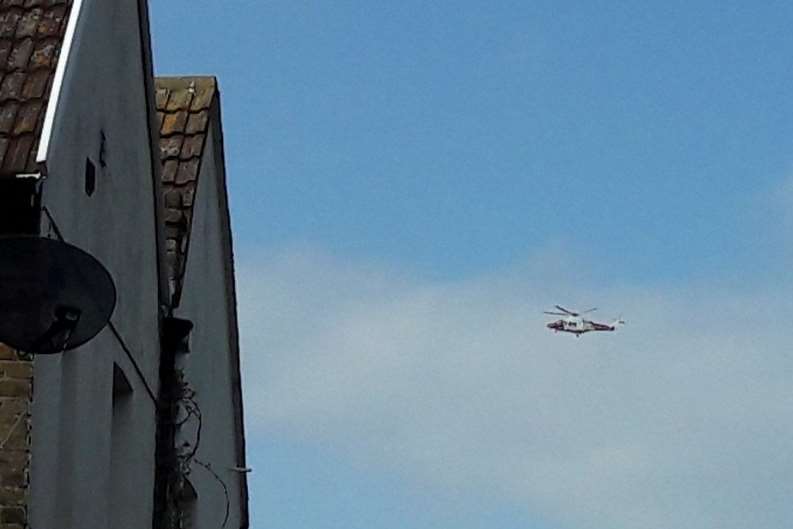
(413,173)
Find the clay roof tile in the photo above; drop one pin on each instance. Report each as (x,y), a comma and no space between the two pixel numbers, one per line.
(31,37)
(183,106)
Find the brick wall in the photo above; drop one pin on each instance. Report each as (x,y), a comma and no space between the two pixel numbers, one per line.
(16,389)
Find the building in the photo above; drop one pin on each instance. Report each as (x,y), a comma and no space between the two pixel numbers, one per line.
(201,289)
(141,426)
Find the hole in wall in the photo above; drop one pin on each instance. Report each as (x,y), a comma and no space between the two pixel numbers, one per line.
(90,177)
(102,149)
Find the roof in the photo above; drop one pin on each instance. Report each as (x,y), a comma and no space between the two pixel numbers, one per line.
(31,36)
(183,112)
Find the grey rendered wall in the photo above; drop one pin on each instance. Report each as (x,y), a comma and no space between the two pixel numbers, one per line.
(93,457)
(208,367)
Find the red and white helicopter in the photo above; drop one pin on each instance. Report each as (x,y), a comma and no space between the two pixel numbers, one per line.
(574,323)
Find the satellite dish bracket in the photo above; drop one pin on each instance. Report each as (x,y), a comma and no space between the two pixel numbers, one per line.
(66,320)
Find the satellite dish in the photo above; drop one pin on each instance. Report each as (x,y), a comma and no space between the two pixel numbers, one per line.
(53,296)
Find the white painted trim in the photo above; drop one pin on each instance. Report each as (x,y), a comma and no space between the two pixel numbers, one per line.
(35,176)
(57,83)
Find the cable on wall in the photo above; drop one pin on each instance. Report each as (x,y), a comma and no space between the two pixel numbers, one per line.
(209,469)
(54,230)
(187,409)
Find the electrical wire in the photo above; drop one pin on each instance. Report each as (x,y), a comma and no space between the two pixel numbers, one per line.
(209,469)
(187,402)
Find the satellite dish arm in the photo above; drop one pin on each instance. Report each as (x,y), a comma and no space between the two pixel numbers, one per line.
(66,319)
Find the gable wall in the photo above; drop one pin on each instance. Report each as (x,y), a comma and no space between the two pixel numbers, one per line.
(93,453)
(208,367)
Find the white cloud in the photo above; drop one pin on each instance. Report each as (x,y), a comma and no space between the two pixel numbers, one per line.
(682,419)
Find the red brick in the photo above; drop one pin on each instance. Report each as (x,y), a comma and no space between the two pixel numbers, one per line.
(16,436)
(13,515)
(14,459)
(11,407)
(15,388)
(16,369)
(13,476)
(12,496)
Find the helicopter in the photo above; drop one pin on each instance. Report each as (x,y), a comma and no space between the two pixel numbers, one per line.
(575,323)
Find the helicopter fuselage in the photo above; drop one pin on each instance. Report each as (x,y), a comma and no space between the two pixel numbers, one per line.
(578,326)
(573,322)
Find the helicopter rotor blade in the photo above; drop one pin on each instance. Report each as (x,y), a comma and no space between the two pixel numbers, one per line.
(568,312)
(555,313)
(590,310)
